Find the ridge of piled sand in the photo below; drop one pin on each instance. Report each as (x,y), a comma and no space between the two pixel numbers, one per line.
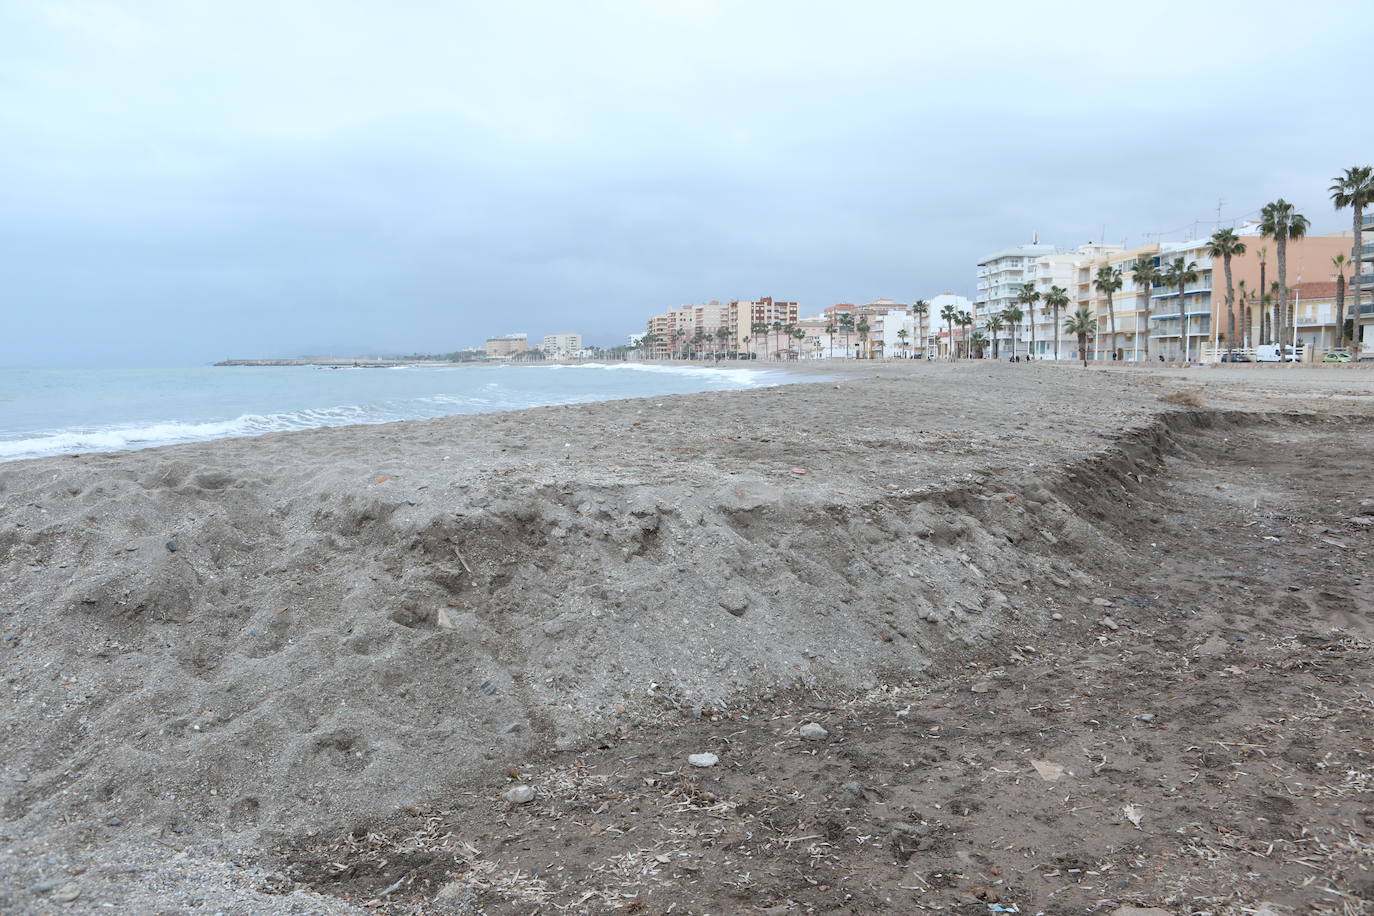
(258,638)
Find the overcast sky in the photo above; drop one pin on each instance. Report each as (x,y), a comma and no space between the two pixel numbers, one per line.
(183,181)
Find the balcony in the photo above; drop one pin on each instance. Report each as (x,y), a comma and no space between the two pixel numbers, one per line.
(1368,221)
(1173,293)
(1367,251)
(1326,315)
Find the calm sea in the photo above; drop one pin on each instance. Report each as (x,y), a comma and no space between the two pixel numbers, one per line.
(63,411)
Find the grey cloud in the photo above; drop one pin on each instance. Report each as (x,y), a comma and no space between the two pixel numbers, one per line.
(183,182)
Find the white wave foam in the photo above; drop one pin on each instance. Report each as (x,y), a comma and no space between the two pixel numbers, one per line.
(114,438)
(486,397)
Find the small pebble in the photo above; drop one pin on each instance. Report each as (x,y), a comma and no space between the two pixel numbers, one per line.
(703,760)
(1110,624)
(981,687)
(812,731)
(1056,617)
(66,893)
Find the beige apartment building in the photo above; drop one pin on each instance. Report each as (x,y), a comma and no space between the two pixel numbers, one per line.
(674,329)
(507,346)
(1309,261)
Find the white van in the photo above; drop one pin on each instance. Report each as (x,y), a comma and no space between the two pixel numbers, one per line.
(1269,353)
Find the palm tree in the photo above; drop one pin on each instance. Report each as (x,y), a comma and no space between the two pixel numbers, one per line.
(1246,318)
(1263,255)
(1013,316)
(799,333)
(1275,322)
(777,344)
(995,326)
(978,342)
(902,335)
(949,313)
(1146,276)
(1280,222)
(920,309)
(722,335)
(1055,299)
(1339,262)
(759,327)
(1179,275)
(1226,245)
(830,332)
(1266,320)
(964,320)
(1082,325)
(1107,282)
(863,328)
(1028,297)
(1354,189)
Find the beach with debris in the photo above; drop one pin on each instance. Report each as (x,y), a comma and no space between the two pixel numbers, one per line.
(960,638)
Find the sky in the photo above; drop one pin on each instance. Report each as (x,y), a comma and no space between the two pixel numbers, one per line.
(183,181)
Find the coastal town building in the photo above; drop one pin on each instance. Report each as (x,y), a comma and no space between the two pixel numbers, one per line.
(507,346)
(1314,315)
(1072,272)
(1309,261)
(679,330)
(1001,275)
(745,316)
(1126,309)
(938,339)
(1362,287)
(1152,321)
(562,346)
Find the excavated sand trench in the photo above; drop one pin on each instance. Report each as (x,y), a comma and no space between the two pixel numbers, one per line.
(275,675)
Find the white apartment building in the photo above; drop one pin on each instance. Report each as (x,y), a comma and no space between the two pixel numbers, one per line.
(936,330)
(1001,276)
(887,337)
(562,346)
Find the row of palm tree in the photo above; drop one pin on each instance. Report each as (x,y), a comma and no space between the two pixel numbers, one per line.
(1279,222)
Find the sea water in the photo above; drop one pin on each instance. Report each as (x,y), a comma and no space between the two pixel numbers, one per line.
(65,411)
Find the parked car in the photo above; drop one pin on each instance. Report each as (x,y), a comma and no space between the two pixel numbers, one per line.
(1235,358)
(1337,356)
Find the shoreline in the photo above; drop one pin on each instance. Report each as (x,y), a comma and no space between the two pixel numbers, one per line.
(164,433)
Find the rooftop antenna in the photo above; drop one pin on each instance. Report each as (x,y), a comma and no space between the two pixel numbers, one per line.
(1035,238)
(1219,203)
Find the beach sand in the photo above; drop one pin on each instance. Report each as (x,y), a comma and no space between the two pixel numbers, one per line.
(246,672)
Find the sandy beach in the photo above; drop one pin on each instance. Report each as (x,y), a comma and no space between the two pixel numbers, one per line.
(1077,640)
